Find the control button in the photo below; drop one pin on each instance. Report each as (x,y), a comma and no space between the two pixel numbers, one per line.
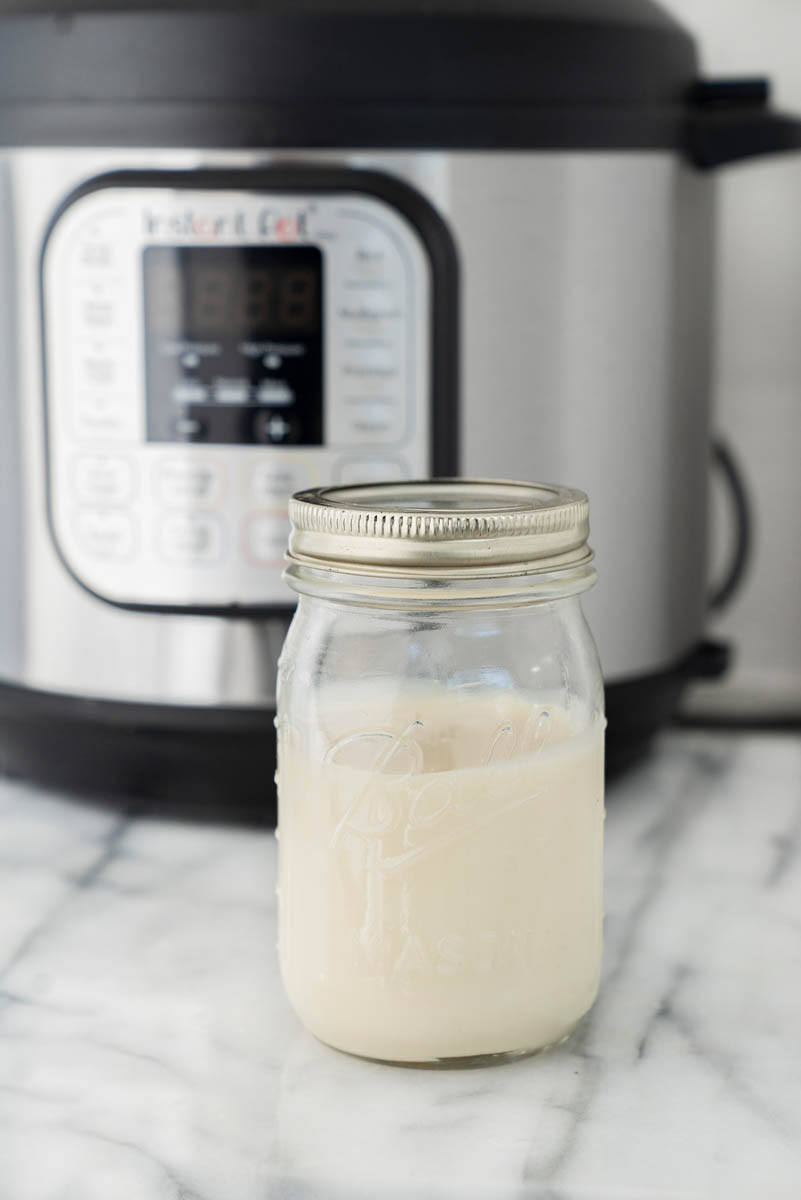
(97,369)
(278,428)
(272,483)
(376,373)
(189,483)
(100,478)
(373,417)
(191,538)
(266,538)
(378,306)
(96,312)
(275,391)
(190,360)
(100,414)
(376,417)
(106,535)
(189,429)
(370,470)
(189,391)
(371,254)
(93,253)
(373,363)
(271,428)
(231,391)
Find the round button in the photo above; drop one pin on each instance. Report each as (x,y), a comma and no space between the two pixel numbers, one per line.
(272,428)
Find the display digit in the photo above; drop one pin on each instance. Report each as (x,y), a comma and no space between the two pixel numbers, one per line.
(210,303)
(298,300)
(252,310)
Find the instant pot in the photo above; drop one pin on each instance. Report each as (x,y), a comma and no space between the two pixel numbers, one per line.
(245,252)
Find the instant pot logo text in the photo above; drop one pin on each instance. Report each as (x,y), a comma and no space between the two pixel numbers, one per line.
(212,227)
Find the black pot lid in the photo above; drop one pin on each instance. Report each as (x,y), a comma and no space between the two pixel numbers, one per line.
(456,74)
(622,52)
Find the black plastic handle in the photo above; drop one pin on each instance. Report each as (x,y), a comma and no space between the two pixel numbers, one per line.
(742,511)
(731,119)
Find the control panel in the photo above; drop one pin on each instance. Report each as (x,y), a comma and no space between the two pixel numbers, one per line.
(207,353)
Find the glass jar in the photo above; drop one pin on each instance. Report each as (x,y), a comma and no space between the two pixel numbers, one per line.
(440,770)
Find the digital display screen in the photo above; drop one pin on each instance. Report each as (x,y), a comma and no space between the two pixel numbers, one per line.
(233,343)
(198,292)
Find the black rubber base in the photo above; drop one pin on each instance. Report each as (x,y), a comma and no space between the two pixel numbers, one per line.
(637,708)
(635,711)
(197,763)
(219,764)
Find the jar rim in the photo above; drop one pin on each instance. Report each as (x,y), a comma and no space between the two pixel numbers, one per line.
(403,591)
(441,528)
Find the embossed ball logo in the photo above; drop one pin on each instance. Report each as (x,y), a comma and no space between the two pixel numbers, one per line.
(403,816)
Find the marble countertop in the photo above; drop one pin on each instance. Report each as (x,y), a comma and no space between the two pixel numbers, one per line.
(147,1051)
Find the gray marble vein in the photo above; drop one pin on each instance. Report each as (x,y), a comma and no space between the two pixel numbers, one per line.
(147,1051)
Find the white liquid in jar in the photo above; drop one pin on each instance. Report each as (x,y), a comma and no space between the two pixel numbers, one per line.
(440,872)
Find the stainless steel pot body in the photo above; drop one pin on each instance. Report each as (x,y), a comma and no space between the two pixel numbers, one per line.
(582,311)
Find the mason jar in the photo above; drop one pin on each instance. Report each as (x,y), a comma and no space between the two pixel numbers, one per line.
(440,770)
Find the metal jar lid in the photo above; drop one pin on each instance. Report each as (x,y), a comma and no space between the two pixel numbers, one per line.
(441,528)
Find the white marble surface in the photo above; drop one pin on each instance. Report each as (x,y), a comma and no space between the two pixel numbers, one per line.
(147,1052)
